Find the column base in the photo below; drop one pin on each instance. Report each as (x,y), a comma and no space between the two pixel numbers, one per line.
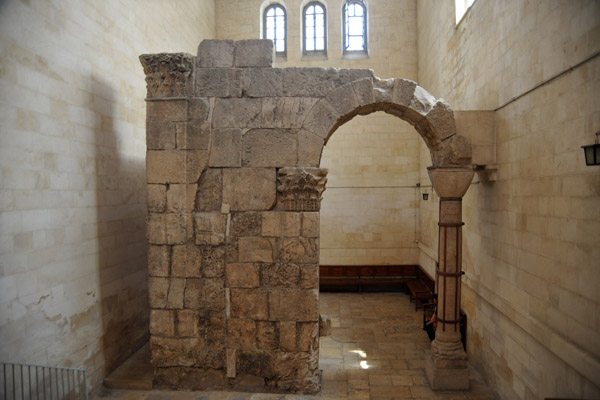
(446,369)
(446,378)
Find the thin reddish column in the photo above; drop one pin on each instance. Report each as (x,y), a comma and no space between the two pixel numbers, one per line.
(447,368)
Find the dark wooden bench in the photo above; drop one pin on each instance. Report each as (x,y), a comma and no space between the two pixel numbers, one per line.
(364,278)
(421,288)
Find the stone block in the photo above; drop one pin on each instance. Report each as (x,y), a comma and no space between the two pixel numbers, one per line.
(446,379)
(299,250)
(249,303)
(175,352)
(175,294)
(162,135)
(441,119)
(215,53)
(269,148)
(237,113)
(310,224)
(383,90)
(179,228)
(242,276)
(231,363)
(180,198)
(421,101)
(198,109)
(309,82)
(190,323)
(353,75)
(210,228)
(253,53)
(166,110)
(363,91)
(165,166)
(343,99)
(157,198)
(324,325)
(162,323)
(267,335)
(213,261)
(205,294)
(241,334)
(246,224)
(287,335)
(290,224)
(226,148)
(186,261)
(158,289)
(455,150)
(156,230)
(195,136)
(308,334)
(309,276)
(321,119)
(271,223)
(280,275)
(256,363)
(232,250)
(255,249)
(310,147)
(479,127)
(210,190)
(403,91)
(249,189)
(219,82)
(262,82)
(158,260)
(294,305)
(285,112)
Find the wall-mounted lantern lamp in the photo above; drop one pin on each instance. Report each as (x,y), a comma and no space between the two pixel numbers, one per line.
(425,196)
(592,152)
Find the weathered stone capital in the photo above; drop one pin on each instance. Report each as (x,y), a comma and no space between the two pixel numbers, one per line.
(167,74)
(451,182)
(301,188)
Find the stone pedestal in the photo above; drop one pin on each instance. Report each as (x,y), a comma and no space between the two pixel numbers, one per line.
(447,368)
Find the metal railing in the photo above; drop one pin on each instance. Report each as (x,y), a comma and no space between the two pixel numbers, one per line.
(37,382)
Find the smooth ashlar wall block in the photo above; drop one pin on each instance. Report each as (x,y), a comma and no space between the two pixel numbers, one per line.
(234,193)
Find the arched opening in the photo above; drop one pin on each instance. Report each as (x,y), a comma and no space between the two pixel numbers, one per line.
(369,212)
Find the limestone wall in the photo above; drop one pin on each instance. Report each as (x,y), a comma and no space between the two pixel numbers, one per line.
(531,238)
(73,276)
(376,223)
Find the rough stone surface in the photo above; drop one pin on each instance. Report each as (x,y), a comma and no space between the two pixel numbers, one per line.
(210,228)
(249,303)
(167,110)
(255,249)
(262,82)
(219,82)
(253,53)
(293,305)
(237,113)
(246,224)
(210,191)
(180,198)
(242,275)
(226,149)
(309,82)
(299,250)
(205,294)
(280,275)
(157,198)
(186,261)
(249,189)
(158,260)
(324,325)
(215,53)
(270,148)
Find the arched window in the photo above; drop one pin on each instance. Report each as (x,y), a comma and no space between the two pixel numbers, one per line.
(274,27)
(355,26)
(315,32)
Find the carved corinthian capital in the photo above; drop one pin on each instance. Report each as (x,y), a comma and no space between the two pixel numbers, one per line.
(301,188)
(167,74)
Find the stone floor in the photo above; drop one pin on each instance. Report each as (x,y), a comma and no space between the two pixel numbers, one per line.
(376,350)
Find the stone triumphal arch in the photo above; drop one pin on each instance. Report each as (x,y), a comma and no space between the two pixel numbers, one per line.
(234,190)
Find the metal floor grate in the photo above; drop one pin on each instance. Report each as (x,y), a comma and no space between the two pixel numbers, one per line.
(37,382)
